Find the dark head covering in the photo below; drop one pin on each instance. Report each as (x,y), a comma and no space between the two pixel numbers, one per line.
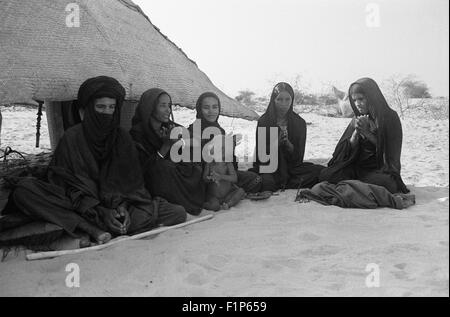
(198,105)
(270,116)
(296,128)
(141,130)
(111,175)
(204,122)
(294,121)
(378,107)
(100,129)
(199,115)
(386,120)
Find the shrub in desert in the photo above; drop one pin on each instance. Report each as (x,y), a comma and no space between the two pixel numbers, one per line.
(406,93)
(245,97)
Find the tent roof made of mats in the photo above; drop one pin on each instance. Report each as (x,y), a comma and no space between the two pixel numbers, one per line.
(45,56)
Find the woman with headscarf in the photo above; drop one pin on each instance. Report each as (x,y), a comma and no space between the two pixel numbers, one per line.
(178,182)
(208,111)
(95,182)
(290,170)
(370,148)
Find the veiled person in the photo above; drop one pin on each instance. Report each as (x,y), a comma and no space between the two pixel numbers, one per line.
(95,183)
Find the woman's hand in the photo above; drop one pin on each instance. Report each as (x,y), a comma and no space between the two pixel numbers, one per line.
(284,141)
(165,136)
(366,128)
(283,136)
(354,139)
(363,125)
(167,141)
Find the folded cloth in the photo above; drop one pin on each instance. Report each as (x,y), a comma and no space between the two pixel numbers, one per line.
(355,194)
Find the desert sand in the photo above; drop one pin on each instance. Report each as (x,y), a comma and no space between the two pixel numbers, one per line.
(276,247)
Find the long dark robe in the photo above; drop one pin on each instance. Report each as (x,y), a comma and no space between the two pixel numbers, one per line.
(292,172)
(74,189)
(95,164)
(180,183)
(249,181)
(116,181)
(383,167)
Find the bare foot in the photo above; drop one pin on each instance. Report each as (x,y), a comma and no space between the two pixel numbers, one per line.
(103,237)
(224,206)
(98,235)
(85,242)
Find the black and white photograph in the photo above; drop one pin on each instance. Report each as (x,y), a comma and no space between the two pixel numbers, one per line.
(232,150)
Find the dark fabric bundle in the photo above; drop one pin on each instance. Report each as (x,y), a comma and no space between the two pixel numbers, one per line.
(389,138)
(352,194)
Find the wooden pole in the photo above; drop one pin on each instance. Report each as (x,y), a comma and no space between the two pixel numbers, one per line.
(1,127)
(53,254)
(38,123)
(55,122)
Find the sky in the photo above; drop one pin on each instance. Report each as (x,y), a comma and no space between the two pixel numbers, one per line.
(253,44)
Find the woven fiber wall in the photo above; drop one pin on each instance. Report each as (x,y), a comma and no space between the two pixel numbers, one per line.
(41,58)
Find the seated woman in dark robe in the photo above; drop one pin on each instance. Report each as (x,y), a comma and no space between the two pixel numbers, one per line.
(291,172)
(208,112)
(370,148)
(95,181)
(178,182)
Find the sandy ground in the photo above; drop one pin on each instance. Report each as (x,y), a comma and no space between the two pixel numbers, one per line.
(269,248)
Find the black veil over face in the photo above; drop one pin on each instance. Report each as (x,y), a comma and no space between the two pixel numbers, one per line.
(100,129)
(97,160)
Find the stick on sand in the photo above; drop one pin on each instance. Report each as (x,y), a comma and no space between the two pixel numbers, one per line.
(54,254)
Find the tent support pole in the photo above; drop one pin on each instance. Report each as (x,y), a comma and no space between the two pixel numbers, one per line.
(38,123)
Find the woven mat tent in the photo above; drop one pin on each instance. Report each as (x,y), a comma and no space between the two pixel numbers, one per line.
(42,58)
